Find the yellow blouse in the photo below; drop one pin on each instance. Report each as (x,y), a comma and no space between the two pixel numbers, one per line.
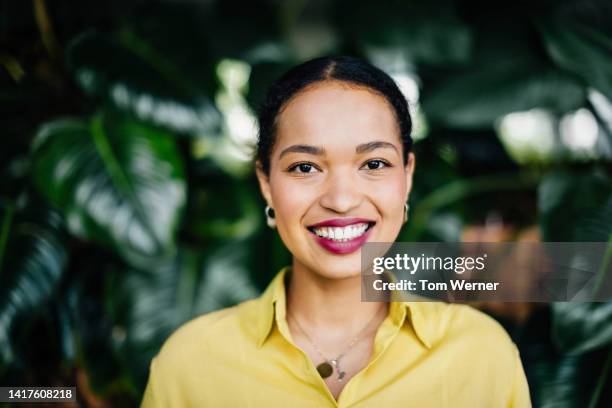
(426,354)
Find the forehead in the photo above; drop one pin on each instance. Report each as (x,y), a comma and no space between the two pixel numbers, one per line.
(335,113)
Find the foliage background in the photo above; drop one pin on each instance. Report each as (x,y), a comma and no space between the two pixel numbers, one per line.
(127,196)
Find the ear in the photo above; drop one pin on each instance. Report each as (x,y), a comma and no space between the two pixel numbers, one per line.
(264,183)
(409,169)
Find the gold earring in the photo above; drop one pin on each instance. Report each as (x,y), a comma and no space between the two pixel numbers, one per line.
(270,217)
(406,208)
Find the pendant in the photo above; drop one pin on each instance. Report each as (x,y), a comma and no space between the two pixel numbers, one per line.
(325,369)
(336,364)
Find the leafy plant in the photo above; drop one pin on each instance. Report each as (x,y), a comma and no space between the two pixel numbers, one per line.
(119,222)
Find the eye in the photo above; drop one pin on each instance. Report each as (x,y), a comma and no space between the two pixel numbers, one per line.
(302,168)
(376,164)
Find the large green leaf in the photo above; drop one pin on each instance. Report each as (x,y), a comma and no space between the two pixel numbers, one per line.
(577,206)
(195,35)
(478,96)
(507,72)
(213,219)
(557,379)
(117,181)
(578,37)
(582,327)
(23,106)
(136,78)
(149,305)
(32,263)
(93,330)
(430,33)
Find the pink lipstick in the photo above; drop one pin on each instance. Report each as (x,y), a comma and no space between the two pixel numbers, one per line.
(342,235)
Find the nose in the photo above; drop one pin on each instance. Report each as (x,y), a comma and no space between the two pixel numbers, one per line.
(341,193)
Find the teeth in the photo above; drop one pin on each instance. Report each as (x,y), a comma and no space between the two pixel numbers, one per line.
(342,233)
(339,233)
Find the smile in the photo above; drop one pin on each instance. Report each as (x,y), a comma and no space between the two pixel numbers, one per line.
(342,235)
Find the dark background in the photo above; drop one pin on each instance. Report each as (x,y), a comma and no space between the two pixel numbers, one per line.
(128,204)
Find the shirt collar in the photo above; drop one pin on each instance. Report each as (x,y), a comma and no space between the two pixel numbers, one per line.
(272,303)
(272,299)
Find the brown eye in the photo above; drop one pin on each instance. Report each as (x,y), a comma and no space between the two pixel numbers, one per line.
(305,168)
(375,164)
(302,168)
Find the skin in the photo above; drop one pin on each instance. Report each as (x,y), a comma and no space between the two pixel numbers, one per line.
(335,181)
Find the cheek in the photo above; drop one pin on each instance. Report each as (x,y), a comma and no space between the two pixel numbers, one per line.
(291,200)
(389,196)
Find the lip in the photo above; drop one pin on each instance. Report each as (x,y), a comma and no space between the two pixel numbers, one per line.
(345,247)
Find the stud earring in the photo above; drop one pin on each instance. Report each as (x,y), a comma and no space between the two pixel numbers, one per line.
(406,208)
(270,217)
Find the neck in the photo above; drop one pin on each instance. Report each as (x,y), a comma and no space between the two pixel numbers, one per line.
(323,302)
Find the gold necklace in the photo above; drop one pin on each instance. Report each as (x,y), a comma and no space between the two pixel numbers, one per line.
(326,368)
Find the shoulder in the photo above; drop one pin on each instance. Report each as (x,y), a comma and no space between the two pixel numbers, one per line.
(202,333)
(192,352)
(480,361)
(473,332)
(450,319)
(467,318)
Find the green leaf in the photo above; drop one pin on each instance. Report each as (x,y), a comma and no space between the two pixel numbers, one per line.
(580,41)
(478,96)
(557,379)
(507,72)
(117,181)
(136,78)
(85,300)
(583,326)
(23,106)
(149,305)
(196,34)
(431,33)
(32,262)
(577,206)
(213,219)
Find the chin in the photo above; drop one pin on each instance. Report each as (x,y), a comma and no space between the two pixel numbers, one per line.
(349,267)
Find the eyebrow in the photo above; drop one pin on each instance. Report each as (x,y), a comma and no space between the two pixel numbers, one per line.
(319,151)
(370,146)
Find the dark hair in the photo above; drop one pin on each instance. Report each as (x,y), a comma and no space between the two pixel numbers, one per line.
(340,68)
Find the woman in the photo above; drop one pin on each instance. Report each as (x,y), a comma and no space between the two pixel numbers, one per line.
(335,167)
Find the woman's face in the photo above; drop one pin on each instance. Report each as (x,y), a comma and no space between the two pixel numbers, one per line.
(337,178)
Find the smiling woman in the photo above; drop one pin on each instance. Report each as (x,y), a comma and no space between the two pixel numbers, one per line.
(335,166)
